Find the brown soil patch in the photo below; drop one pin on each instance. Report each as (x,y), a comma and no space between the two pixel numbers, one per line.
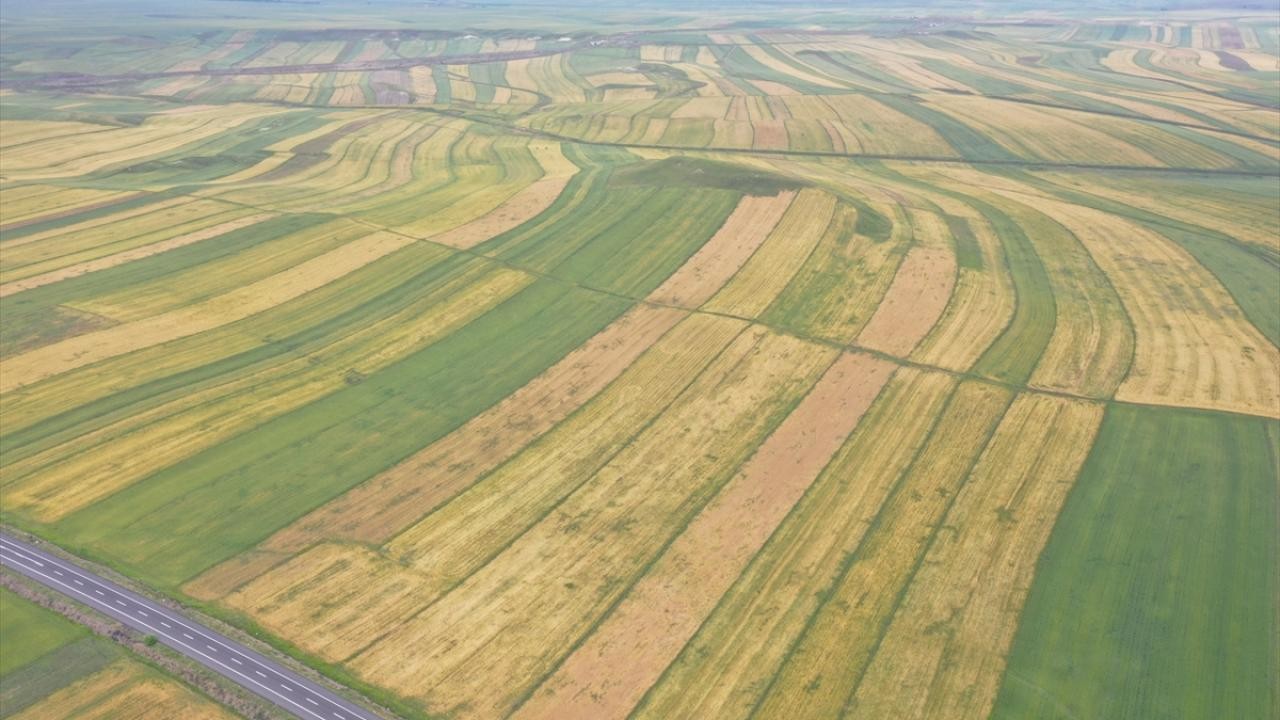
(606,676)
(770,135)
(915,301)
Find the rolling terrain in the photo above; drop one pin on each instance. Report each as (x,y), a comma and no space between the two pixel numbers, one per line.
(639,362)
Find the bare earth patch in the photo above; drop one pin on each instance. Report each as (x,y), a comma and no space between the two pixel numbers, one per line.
(916,299)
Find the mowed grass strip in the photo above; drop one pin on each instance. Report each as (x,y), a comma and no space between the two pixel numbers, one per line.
(1155,596)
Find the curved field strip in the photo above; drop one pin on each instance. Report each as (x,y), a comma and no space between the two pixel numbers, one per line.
(1092,344)
(334,157)
(1193,345)
(914,302)
(435,390)
(524,205)
(357,162)
(837,289)
(1247,270)
(841,637)
(30,204)
(159,134)
(393,500)
(606,676)
(1244,216)
(653,487)
(474,188)
(515,211)
(1088,347)
(772,266)
(1015,353)
(724,668)
(725,253)
(568,455)
(72,475)
(1039,134)
(245,301)
(125,256)
(944,651)
(54,253)
(982,302)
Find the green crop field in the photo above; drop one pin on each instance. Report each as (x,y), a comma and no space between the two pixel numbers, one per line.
(53,668)
(551,359)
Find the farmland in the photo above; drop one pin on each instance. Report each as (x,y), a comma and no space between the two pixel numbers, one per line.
(54,668)
(628,361)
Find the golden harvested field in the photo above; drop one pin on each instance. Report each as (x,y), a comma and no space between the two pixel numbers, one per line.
(650,361)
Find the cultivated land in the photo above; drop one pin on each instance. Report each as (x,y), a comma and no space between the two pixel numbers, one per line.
(625,361)
(52,668)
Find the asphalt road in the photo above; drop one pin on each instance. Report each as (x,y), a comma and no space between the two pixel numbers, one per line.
(228,658)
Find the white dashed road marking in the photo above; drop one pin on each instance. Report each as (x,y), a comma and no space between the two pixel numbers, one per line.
(22,557)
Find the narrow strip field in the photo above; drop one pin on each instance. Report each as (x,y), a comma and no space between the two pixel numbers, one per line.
(729,362)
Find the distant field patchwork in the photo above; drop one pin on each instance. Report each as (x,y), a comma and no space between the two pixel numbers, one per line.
(779,367)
